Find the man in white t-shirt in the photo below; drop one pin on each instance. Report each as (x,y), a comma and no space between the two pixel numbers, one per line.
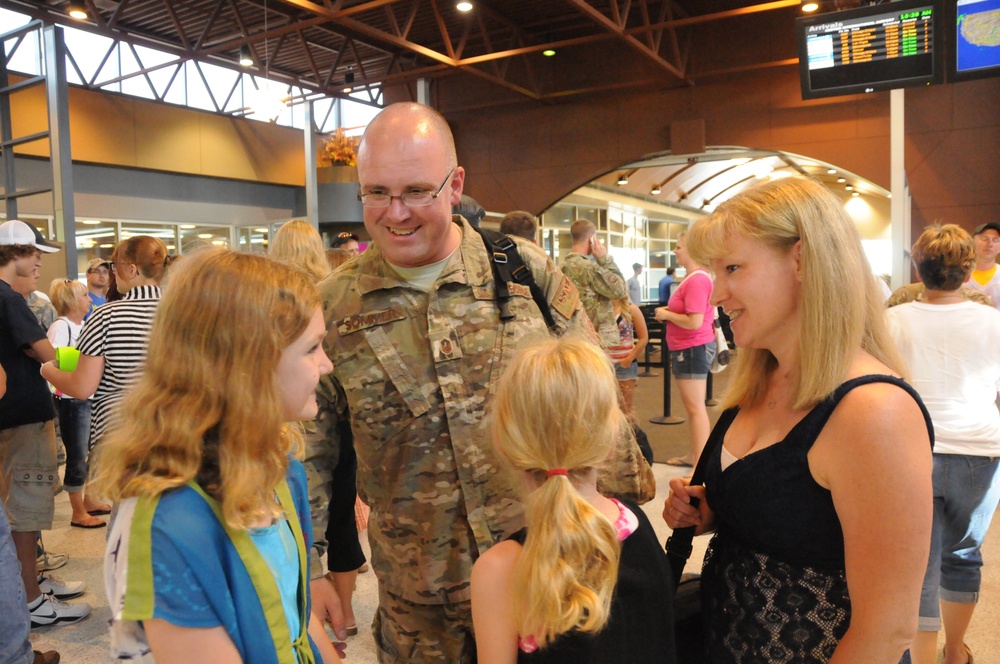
(985,277)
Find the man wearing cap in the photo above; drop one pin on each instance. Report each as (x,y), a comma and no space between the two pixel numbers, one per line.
(98,274)
(28,469)
(346,241)
(986,277)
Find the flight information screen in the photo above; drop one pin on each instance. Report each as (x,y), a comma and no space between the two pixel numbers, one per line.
(866,50)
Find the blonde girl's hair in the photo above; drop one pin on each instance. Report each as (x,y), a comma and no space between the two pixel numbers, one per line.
(208,406)
(146,252)
(557,407)
(64,293)
(840,307)
(299,244)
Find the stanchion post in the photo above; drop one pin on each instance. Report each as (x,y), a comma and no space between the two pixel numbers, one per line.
(666,418)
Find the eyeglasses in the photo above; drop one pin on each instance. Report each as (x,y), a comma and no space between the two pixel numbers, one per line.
(409,198)
(113,267)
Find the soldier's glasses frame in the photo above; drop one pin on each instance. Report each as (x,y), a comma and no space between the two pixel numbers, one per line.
(409,198)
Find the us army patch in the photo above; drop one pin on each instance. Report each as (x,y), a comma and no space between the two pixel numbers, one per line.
(445,345)
(519,289)
(371,319)
(566,299)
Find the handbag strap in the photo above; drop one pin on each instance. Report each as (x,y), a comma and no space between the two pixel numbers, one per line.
(678,545)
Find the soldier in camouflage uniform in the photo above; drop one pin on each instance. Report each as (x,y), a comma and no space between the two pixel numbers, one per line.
(416,339)
(599,282)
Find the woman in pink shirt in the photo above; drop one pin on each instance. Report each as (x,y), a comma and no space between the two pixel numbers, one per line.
(691,341)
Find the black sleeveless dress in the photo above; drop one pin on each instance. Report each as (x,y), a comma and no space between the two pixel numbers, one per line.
(774,589)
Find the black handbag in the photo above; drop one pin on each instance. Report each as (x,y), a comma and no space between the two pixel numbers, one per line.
(688,625)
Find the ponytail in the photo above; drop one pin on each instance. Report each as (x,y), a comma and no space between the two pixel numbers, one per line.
(569,565)
(556,417)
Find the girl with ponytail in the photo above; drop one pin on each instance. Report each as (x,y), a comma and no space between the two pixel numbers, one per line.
(586,580)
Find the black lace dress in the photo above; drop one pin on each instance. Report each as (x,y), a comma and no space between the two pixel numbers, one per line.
(774,590)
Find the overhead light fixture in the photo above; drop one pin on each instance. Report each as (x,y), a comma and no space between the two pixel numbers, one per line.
(808,7)
(268,102)
(464,6)
(841,180)
(348,82)
(856,194)
(246,57)
(849,187)
(622,179)
(831,171)
(549,52)
(188,227)
(77,10)
(656,190)
(888,195)
(205,236)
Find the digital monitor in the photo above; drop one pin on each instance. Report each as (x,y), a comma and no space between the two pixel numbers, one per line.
(881,47)
(975,35)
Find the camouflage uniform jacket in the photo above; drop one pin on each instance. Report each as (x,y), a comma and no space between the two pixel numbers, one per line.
(419,369)
(599,283)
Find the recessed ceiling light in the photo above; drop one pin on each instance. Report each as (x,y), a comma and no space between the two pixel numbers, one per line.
(549,52)
(841,180)
(856,194)
(205,236)
(188,227)
(849,187)
(655,191)
(91,222)
(464,6)
(810,7)
(622,179)
(107,246)
(888,195)
(260,230)
(831,171)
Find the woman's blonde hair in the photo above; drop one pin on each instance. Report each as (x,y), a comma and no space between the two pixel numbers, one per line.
(557,407)
(208,407)
(840,307)
(944,256)
(146,252)
(299,244)
(64,293)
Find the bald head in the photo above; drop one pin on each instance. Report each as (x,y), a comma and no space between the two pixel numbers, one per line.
(408,121)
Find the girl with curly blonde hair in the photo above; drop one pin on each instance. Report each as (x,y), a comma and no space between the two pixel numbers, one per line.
(206,560)
(586,580)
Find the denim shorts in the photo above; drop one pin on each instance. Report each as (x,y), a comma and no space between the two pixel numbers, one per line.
(692,363)
(966,492)
(632,373)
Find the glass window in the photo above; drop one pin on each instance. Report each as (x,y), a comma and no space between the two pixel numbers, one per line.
(253,239)
(193,236)
(560,216)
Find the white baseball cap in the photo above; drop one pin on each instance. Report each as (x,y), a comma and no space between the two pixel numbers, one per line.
(18,232)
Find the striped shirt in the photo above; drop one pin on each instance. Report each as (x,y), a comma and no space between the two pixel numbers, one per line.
(118,332)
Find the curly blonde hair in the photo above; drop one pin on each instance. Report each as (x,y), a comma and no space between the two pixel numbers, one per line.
(299,244)
(841,307)
(208,407)
(557,407)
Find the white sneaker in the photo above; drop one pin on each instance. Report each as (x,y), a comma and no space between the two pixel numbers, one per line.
(50,584)
(50,561)
(51,611)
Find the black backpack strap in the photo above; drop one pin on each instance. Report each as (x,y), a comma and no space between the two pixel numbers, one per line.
(508,266)
(679,544)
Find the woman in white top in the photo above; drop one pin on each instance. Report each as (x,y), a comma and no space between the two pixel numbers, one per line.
(72,303)
(949,344)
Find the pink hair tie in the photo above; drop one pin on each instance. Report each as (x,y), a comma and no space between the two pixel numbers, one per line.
(556,471)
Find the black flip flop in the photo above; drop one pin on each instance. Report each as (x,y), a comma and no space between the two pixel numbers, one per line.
(83,525)
(98,512)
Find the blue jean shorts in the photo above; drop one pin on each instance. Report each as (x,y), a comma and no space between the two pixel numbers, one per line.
(692,363)
(966,493)
(631,373)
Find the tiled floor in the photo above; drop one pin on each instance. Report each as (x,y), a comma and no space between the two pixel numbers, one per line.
(87,641)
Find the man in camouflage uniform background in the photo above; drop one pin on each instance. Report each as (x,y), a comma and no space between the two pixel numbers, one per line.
(599,282)
(417,343)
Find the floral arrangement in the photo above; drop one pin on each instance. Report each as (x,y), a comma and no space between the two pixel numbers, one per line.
(340,149)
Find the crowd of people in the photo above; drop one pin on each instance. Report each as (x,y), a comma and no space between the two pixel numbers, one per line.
(242,420)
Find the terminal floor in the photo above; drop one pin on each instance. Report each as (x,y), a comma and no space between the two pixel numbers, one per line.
(87,641)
